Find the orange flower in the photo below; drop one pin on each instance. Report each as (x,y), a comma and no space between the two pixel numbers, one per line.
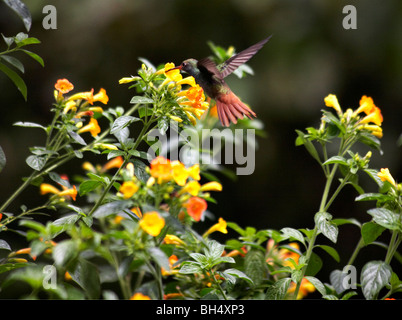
(63,86)
(161,169)
(195,207)
(172,260)
(48,188)
(92,127)
(373,113)
(114,163)
(88,95)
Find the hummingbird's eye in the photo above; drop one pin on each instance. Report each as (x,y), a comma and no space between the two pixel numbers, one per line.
(184,64)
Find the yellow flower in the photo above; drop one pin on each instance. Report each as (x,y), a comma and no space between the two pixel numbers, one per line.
(332,101)
(220,226)
(46,188)
(152,223)
(173,75)
(180,173)
(375,116)
(70,105)
(128,189)
(137,212)
(385,175)
(126,80)
(188,80)
(177,119)
(139,296)
(88,95)
(366,105)
(192,187)
(374,129)
(101,96)
(211,186)
(92,127)
(172,239)
(172,260)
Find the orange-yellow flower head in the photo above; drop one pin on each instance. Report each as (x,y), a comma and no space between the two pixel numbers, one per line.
(46,188)
(128,189)
(101,96)
(88,96)
(195,207)
(92,127)
(161,169)
(139,296)
(63,86)
(220,226)
(385,175)
(152,223)
(332,101)
(306,287)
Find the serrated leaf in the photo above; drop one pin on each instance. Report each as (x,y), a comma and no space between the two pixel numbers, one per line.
(255,266)
(293,233)
(16,79)
(238,274)
(326,226)
(385,218)
(374,276)
(190,268)
(278,290)
(317,284)
(214,249)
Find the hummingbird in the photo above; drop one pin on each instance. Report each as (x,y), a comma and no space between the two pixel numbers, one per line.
(211,78)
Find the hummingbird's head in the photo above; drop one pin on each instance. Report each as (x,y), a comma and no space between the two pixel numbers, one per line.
(189,66)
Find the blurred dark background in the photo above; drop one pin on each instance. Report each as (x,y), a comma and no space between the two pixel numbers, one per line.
(309,56)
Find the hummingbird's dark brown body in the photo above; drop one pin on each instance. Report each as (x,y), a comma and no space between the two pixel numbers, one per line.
(211,78)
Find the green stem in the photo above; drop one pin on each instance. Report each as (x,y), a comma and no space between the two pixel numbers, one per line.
(218,284)
(359,245)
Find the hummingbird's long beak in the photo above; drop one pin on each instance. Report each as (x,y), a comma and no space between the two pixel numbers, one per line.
(175,68)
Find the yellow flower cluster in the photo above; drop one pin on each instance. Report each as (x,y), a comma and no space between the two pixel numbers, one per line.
(371,121)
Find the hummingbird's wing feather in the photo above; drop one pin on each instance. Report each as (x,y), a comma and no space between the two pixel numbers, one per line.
(208,65)
(237,60)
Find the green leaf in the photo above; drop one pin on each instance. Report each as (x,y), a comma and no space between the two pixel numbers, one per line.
(336,159)
(190,268)
(214,249)
(255,266)
(159,257)
(16,79)
(238,274)
(14,62)
(3,159)
(4,245)
(21,10)
(308,145)
(87,276)
(35,57)
(122,122)
(88,186)
(77,138)
(314,265)
(317,284)
(110,208)
(373,197)
(278,290)
(326,226)
(374,276)
(385,218)
(141,100)
(36,162)
(371,231)
(293,233)
(64,252)
(29,125)
(331,251)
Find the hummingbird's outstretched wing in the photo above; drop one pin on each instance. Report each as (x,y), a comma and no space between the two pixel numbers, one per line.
(237,60)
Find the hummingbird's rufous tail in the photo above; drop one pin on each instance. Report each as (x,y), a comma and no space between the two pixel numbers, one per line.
(230,108)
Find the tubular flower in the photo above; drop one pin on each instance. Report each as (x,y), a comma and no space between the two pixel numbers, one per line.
(88,95)
(375,116)
(373,128)
(92,127)
(46,188)
(385,175)
(172,260)
(195,102)
(70,105)
(181,173)
(220,226)
(195,207)
(137,212)
(139,296)
(172,239)
(161,169)
(306,287)
(116,162)
(128,189)
(285,254)
(152,223)
(101,96)
(211,186)
(332,101)
(366,105)
(192,187)
(63,86)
